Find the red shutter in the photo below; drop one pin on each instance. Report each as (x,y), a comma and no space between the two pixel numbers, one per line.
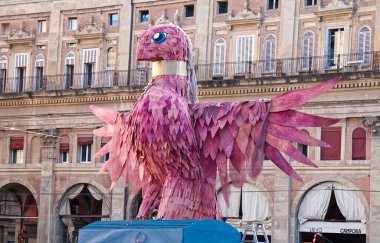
(85,139)
(358,144)
(332,136)
(17,143)
(64,144)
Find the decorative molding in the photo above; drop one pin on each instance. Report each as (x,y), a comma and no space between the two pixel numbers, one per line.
(336,8)
(50,136)
(246,16)
(21,36)
(117,94)
(90,30)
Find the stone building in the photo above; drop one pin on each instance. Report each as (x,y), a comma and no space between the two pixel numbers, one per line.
(59,57)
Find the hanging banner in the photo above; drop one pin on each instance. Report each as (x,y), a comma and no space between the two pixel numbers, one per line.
(333,227)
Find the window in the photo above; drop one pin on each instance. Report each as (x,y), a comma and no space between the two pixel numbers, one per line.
(85,146)
(189,11)
(89,67)
(113,19)
(16,155)
(106,157)
(39,72)
(4,30)
(332,136)
(364,45)
(243,53)
(219,57)
(69,70)
(304,149)
(222,7)
(21,61)
(247,203)
(3,73)
(359,144)
(307,51)
(269,54)
(64,146)
(144,16)
(310,2)
(73,24)
(71,45)
(335,44)
(42,24)
(273,4)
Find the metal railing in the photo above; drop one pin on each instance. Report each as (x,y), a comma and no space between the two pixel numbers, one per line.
(205,72)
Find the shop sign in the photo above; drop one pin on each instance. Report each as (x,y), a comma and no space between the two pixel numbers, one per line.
(333,227)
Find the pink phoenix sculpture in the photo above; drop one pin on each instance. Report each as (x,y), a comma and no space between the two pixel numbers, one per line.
(173,147)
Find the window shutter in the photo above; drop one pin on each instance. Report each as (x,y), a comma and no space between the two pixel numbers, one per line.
(359,144)
(244,45)
(64,144)
(84,140)
(269,53)
(90,55)
(219,56)
(17,143)
(332,136)
(21,60)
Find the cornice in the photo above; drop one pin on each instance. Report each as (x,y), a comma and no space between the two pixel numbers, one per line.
(226,89)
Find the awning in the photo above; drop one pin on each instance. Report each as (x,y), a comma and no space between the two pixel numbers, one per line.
(333,227)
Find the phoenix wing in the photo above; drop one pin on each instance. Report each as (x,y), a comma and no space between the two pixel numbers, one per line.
(244,132)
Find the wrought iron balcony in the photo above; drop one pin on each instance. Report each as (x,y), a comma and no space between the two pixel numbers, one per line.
(215,72)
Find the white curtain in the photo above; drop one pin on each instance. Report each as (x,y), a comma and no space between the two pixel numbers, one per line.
(233,210)
(315,203)
(98,195)
(65,206)
(254,204)
(349,203)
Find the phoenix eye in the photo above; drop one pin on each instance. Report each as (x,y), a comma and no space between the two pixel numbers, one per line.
(159,37)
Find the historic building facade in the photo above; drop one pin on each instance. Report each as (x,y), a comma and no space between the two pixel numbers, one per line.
(59,57)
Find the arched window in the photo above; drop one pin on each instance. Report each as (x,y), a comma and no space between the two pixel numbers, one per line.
(307,50)
(111,58)
(219,57)
(39,72)
(3,73)
(269,54)
(363,45)
(69,70)
(359,144)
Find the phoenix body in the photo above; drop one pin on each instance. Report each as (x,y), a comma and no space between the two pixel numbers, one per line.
(173,148)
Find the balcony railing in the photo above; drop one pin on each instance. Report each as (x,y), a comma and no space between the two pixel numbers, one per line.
(205,72)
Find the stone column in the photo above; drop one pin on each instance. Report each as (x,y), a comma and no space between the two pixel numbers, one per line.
(54,48)
(281,207)
(373,227)
(124,37)
(118,208)
(45,211)
(203,30)
(287,41)
(376,31)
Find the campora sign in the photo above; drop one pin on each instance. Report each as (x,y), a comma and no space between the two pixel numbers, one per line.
(333,227)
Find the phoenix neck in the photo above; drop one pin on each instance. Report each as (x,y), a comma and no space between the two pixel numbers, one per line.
(169,68)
